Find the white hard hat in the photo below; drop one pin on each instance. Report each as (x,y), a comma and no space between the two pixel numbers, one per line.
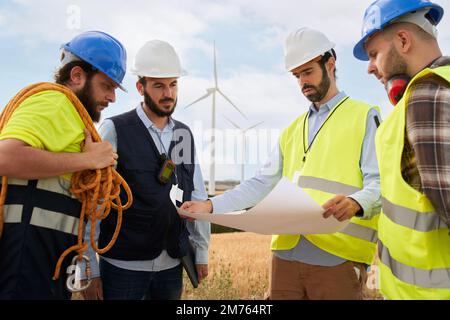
(304,45)
(157,59)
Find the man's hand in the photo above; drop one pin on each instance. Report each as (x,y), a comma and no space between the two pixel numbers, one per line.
(94,291)
(100,154)
(197,206)
(202,271)
(341,207)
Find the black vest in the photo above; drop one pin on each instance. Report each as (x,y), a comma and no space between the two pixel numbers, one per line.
(152,223)
(41,222)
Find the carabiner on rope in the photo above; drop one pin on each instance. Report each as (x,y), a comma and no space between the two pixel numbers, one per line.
(71,271)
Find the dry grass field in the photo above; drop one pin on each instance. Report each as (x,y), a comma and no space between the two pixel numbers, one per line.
(238,268)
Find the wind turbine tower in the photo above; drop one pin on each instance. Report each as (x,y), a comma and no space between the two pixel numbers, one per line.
(244,144)
(213,92)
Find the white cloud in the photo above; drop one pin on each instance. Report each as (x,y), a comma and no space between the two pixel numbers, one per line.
(263,94)
(133,22)
(272,36)
(184,22)
(341,20)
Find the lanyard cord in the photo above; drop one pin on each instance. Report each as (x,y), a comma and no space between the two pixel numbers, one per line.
(162,144)
(305,150)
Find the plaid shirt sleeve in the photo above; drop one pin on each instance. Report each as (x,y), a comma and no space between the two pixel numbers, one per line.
(428,132)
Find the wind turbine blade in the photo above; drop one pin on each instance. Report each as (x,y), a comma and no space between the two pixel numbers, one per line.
(215,66)
(254,126)
(199,99)
(234,106)
(234,124)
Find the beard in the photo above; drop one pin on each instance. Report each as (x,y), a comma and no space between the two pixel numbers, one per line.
(321,91)
(86,96)
(397,64)
(151,104)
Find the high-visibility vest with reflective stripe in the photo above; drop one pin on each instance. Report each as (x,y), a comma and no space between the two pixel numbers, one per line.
(414,245)
(41,220)
(40,217)
(331,167)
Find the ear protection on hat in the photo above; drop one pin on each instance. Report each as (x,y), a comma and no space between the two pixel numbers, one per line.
(396,87)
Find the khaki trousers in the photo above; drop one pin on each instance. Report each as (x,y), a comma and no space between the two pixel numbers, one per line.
(291,280)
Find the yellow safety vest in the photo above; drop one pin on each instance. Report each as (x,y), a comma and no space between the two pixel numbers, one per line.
(331,167)
(414,246)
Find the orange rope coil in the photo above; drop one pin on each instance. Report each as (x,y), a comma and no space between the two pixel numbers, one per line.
(98,190)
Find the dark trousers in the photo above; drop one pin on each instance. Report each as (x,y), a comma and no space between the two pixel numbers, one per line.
(122,284)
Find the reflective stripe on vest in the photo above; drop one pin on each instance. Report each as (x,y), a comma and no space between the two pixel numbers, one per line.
(43,218)
(434,278)
(353,229)
(49,196)
(55,221)
(419,221)
(57,185)
(13,213)
(327,186)
(361,232)
(17,182)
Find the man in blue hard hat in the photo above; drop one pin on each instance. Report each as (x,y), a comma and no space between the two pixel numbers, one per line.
(399,40)
(41,145)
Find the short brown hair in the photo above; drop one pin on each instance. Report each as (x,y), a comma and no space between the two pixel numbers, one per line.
(62,76)
(327,56)
(143,81)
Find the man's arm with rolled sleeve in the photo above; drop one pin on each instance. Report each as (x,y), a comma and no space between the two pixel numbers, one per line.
(369,198)
(428,131)
(252,191)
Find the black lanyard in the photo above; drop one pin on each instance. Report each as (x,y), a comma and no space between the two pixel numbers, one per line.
(305,151)
(163,149)
(164,155)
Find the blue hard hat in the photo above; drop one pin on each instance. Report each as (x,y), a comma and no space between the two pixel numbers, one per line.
(102,51)
(382,12)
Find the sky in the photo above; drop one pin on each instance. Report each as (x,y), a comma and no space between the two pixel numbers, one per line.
(249,36)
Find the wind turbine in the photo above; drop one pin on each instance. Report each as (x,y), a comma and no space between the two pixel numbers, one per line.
(213,92)
(244,143)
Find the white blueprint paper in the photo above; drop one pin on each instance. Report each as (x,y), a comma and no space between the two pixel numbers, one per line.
(286,210)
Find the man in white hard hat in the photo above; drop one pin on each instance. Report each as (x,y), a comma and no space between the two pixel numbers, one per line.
(412,147)
(329,152)
(157,159)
